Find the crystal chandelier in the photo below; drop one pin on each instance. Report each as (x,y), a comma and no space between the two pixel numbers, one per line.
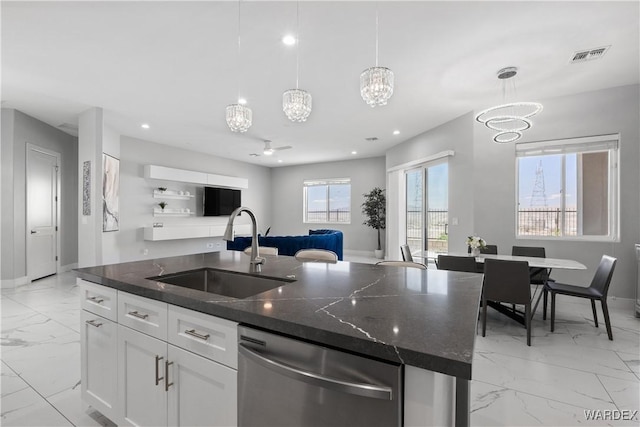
(296,103)
(509,119)
(239,117)
(376,83)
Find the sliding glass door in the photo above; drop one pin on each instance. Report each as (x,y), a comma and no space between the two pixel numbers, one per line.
(427,208)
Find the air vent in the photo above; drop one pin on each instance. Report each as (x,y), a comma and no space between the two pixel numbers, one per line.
(254,154)
(588,55)
(371,138)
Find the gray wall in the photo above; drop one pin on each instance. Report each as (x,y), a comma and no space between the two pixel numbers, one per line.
(456,135)
(137,202)
(287,198)
(593,113)
(25,130)
(482,178)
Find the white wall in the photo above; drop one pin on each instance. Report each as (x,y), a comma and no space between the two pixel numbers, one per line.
(287,198)
(26,129)
(137,202)
(601,112)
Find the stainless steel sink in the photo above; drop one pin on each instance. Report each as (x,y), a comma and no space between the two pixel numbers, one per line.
(222,282)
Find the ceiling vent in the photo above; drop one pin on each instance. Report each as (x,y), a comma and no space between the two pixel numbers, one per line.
(372,138)
(588,55)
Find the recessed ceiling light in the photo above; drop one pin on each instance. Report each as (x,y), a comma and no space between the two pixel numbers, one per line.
(242,101)
(145,126)
(289,40)
(279,160)
(354,152)
(396,132)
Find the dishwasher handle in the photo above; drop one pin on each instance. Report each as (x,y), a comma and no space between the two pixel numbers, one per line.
(360,389)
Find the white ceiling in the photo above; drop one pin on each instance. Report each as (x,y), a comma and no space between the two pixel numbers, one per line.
(174,65)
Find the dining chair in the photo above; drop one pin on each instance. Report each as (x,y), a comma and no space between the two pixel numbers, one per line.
(406,253)
(317,255)
(596,291)
(457,263)
(409,264)
(263,250)
(507,281)
(541,275)
(488,249)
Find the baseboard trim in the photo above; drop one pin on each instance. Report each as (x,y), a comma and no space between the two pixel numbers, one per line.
(352,252)
(13,283)
(68,267)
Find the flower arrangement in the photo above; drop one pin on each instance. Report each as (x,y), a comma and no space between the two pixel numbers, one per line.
(475,242)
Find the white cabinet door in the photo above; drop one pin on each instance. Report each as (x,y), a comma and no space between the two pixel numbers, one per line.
(142,399)
(99,364)
(201,392)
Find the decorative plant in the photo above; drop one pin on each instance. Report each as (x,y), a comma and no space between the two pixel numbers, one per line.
(375,208)
(162,189)
(162,205)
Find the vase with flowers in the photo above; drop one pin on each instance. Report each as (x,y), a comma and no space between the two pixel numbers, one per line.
(475,243)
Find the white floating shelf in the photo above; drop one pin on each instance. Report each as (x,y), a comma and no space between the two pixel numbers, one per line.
(181,175)
(171,212)
(192,231)
(171,195)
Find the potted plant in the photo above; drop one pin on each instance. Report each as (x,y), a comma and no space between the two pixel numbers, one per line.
(162,205)
(375,208)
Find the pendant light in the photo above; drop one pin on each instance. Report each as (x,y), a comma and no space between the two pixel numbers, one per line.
(376,83)
(239,116)
(509,119)
(296,103)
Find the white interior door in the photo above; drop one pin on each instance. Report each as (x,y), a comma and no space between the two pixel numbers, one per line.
(42,212)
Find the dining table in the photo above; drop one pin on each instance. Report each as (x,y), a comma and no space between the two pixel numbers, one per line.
(535,265)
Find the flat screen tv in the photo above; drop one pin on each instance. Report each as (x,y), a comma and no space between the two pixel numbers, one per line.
(220,201)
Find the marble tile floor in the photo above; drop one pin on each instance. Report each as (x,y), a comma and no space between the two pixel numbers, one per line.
(551,383)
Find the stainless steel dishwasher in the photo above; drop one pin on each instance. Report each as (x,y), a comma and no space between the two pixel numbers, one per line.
(288,382)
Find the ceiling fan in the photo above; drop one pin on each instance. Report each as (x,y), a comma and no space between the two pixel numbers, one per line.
(269,150)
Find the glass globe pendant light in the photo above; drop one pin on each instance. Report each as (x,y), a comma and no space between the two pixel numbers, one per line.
(239,117)
(296,103)
(376,83)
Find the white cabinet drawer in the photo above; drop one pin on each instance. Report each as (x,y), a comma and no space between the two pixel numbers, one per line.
(143,314)
(99,299)
(206,335)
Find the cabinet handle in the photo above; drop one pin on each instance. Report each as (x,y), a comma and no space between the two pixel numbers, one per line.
(97,300)
(158,377)
(167,384)
(94,323)
(138,315)
(193,333)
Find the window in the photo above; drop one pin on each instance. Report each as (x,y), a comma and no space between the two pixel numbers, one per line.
(568,189)
(327,201)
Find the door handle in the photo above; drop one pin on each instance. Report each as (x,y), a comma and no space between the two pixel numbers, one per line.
(360,389)
(167,384)
(193,333)
(158,377)
(33,231)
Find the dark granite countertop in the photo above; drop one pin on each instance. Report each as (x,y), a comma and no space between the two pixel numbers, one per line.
(415,317)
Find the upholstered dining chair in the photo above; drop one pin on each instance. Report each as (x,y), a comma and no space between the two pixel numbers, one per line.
(403,264)
(507,281)
(263,250)
(488,249)
(456,263)
(406,253)
(317,255)
(596,291)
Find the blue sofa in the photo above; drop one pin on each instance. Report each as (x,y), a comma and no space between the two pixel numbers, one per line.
(289,245)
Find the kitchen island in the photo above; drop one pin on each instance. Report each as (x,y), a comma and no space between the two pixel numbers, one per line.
(424,320)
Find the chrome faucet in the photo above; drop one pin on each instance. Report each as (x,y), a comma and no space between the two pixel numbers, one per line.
(256,261)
